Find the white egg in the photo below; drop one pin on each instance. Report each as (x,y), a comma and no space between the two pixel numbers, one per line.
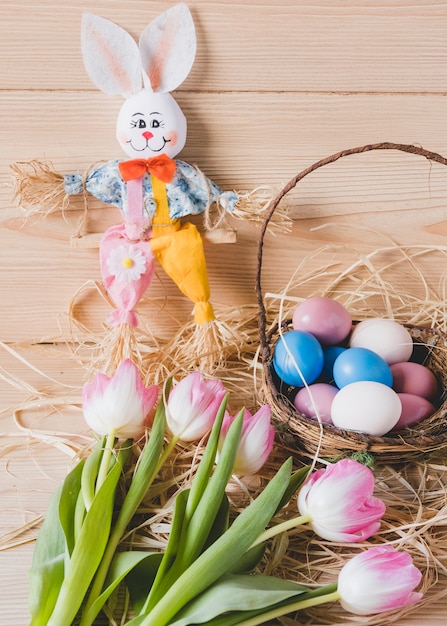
(388,338)
(366,406)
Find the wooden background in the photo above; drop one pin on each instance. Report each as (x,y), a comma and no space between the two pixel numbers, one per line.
(275,87)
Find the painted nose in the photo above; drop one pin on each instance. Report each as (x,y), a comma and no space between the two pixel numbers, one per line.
(147,135)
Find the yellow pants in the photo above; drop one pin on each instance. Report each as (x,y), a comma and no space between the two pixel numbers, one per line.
(180,253)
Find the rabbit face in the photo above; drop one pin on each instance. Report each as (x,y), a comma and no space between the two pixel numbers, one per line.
(150,124)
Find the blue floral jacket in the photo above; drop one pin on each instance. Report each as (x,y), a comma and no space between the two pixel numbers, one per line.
(189,192)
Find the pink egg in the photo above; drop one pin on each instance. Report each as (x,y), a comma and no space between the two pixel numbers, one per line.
(316,400)
(414,378)
(414,410)
(326,319)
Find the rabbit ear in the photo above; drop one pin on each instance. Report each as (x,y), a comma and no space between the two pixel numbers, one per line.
(168,48)
(111,56)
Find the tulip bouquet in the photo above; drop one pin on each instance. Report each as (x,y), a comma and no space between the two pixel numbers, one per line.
(209,571)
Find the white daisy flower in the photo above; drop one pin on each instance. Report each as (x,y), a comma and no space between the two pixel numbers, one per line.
(126,263)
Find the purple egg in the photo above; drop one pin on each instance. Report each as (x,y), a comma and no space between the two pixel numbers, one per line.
(414,378)
(324,318)
(414,410)
(316,400)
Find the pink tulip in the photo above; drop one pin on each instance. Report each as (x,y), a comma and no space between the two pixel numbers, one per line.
(256,440)
(192,406)
(377,580)
(339,502)
(120,404)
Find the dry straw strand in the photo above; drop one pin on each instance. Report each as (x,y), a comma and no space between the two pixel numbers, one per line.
(315,439)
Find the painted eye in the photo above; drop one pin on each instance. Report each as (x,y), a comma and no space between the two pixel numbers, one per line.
(155,124)
(138,124)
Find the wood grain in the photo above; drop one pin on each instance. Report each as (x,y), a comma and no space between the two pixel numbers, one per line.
(275,87)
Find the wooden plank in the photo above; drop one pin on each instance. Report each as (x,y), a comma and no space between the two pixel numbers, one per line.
(275,87)
(245,140)
(382,47)
(400,195)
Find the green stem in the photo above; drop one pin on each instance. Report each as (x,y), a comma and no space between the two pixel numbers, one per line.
(281,528)
(332,595)
(79,516)
(166,453)
(105,461)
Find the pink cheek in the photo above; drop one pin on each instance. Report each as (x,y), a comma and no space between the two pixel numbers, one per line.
(172,137)
(122,137)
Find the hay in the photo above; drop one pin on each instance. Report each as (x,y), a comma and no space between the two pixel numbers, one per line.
(368,290)
(415,495)
(369,287)
(414,492)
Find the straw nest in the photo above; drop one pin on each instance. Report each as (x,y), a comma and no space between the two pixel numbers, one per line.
(360,287)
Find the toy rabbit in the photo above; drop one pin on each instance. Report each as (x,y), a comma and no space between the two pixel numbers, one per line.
(153,191)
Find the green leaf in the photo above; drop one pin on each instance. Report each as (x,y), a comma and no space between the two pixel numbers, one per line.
(171,549)
(47,569)
(296,480)
(205,513)
(249,560)
(128,565)
(68,504)
(139,580)
(224,553)
(145,471)
(144,474)
(266,615)
(249,592)
(206,465)
(87,552)
(221,522)
(194,532)
(90,473)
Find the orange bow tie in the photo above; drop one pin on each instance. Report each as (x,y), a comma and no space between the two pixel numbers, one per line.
(162,167)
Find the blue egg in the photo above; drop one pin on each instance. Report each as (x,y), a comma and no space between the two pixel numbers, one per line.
(330,354)
(305,352)
(358,364)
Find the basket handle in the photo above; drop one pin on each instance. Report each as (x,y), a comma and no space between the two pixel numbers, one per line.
(262,315)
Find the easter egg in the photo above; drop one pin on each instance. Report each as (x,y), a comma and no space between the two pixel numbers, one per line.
(329,356)
(324,318)
(298,358)
(414,378)
(355,364)
(316,401)
(367,407)
(414,410)
(388,338)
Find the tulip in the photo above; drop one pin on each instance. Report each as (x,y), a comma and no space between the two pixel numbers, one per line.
(339,504)
(377,580)
(256,441)
(373,582)
(192,406)
(118,405)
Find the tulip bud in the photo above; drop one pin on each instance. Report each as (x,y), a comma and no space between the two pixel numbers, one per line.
(120,404)
(256,441)
(378,580)
(339,501)
(192,406)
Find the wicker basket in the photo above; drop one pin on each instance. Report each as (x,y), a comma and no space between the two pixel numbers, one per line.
(311,438)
